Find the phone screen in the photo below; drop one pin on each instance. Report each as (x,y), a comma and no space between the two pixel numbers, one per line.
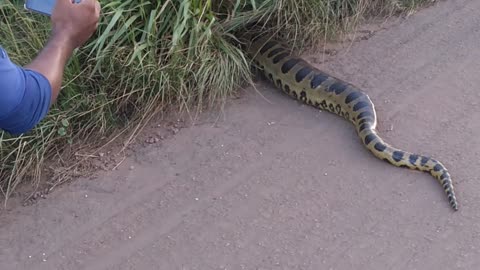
(44,7)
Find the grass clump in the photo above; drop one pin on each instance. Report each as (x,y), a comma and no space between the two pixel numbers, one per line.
(150,54)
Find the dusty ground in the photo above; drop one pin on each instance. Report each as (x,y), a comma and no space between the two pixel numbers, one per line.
(272,184)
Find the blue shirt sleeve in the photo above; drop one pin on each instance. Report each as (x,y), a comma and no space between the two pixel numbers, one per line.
(24,97)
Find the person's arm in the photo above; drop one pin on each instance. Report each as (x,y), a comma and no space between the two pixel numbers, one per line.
(26,93)
(51,62)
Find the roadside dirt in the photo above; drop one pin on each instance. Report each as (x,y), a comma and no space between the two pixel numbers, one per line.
(273,184)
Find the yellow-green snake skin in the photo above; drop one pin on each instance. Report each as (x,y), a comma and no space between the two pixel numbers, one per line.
(304,82)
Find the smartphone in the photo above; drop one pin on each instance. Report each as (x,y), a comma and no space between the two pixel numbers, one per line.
(44,7)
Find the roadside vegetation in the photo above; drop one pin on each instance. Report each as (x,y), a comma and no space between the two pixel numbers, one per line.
(152,55)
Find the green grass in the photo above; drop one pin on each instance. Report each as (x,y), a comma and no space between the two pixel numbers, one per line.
(147,55)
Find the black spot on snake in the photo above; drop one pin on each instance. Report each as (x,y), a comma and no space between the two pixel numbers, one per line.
(363,127)
(287,88)
(380,147)
(275,51)
(363,121)
(317,80)
(267,46)
(352,96)
(445,186)
(437,167)
(397,155)
(289,64)
(369,138)
(302,73)
(323,104)
(303,95)
(279,83)
(444,181)
(336,86)
(365,114)
(413,159)
(360,105)
(279,57)
(424,161)
(338,108)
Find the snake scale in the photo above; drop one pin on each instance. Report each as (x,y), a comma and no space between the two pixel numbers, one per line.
(300,80)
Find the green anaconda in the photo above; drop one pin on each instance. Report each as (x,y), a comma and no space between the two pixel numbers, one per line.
(302,81)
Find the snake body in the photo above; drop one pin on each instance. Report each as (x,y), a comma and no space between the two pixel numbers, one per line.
(300,80)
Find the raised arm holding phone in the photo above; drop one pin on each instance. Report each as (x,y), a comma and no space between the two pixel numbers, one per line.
(26,93)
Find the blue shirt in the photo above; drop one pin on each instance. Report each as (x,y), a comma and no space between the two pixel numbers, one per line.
(24,96)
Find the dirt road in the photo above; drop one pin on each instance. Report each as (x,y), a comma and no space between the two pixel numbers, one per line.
(277,185)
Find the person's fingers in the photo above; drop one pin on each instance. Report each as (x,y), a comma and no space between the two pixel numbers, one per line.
(61,3)
(98,8)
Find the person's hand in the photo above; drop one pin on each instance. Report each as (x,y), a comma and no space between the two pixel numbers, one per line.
(75,23)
